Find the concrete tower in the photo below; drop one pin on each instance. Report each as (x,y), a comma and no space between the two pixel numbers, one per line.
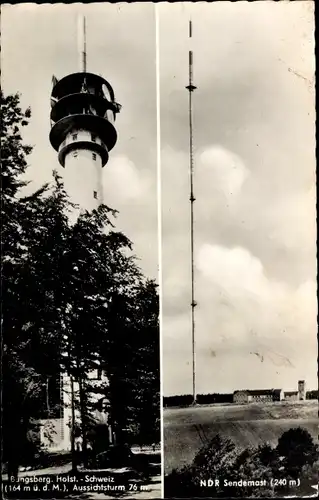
(301,390)
(83,112)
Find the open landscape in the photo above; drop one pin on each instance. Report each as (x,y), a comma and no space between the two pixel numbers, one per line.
(185,429)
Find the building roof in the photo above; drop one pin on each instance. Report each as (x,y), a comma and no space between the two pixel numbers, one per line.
(259,392)
(291,393)
(264,392)
(69,83)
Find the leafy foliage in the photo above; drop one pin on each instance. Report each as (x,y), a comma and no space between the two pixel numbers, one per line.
(201,399)
(73,296)
(21,381)
(297,449)
(218,459)
(294,457)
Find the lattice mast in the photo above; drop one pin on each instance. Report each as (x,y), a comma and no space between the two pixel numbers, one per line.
(190,87)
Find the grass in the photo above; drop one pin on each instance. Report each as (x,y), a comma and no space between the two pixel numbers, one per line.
(247,425)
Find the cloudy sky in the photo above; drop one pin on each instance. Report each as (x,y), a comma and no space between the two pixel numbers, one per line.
(255,188)
(38,41)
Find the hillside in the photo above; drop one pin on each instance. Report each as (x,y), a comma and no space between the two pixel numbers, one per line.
(246,425)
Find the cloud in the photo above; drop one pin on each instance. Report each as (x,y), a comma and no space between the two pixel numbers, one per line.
(295,216)
(232,269)
(249,309)
(131,189)
(253,280)
(222,170)
(243,319)
(124,179)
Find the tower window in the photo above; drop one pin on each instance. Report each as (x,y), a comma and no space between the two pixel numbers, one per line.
(94,156)
(93,137)
(74,137)
(95,194)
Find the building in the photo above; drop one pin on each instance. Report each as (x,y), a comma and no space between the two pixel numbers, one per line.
(301,390)
(264,395)
(258,396)
(312,394)
(291,396)
(54,432)
(299,395)
(240,396)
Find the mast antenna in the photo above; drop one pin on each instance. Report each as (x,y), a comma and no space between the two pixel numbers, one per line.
(190,87)
(82,42)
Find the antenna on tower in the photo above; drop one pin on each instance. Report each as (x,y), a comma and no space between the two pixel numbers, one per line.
(82,42)
(190,87)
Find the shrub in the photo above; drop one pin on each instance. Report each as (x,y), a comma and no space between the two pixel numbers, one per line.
(222,460)
(295,456)
(297,448)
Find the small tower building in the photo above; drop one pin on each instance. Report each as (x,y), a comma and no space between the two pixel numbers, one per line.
(301,390)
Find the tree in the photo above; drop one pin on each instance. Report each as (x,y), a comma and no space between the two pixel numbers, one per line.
(221,459)
(141,369)
(21,383)
(131,352)
(73,296)
(268,456)
(101,289)
(13,165)
(297,449)
(295,456)
(213,460)
(35,236)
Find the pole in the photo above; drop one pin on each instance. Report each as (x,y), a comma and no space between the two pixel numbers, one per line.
(190,89)
(82,43)
(83,409)
(74,458)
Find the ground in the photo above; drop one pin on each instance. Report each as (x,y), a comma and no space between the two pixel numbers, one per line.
(247,425)
(136,487)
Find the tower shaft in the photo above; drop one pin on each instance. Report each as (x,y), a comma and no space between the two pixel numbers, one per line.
(83,176)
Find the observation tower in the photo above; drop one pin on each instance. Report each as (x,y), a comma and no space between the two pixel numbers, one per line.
(83,113)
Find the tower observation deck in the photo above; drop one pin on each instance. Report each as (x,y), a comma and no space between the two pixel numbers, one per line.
(83,113)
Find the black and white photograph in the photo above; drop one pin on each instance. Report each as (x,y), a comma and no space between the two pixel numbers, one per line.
(159,296)
(239,328)
(80,298)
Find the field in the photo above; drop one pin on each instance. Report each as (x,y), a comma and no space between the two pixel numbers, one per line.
(247,425)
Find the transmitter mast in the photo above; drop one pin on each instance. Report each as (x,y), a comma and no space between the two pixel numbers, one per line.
(190,87)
